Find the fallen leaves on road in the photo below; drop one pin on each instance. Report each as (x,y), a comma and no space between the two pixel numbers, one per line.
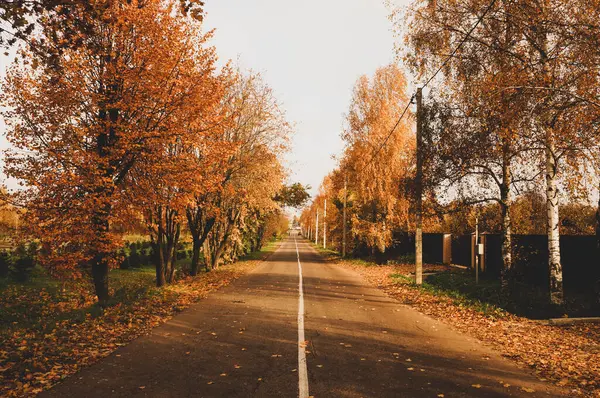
(57,332)
(566,355)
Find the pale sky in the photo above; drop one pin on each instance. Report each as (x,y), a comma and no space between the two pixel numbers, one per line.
(310,52)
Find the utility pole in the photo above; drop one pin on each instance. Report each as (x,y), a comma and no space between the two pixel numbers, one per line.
(476,250)
(344,217)
(419,193)
(317,229)
(325,226)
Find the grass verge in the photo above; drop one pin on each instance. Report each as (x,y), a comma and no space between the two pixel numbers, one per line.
(49,329)
(566,355)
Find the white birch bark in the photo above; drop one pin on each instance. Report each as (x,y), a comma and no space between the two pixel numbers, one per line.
(552,220)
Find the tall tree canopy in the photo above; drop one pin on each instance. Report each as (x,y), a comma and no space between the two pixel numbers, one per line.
(134,87)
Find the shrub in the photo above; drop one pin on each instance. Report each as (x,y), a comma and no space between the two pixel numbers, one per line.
(23,262)
(5,263)
(145,257)
(134,257)
(181,255)
(125,260)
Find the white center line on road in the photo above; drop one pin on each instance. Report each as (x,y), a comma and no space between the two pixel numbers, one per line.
(302,370)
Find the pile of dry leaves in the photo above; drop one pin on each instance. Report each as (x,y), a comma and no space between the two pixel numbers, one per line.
(566,355)
(65,336)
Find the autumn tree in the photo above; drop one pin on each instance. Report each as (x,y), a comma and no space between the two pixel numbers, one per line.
(20,18)
(293,195)
(519,67)
(252,173)
(378,156)
(79,129)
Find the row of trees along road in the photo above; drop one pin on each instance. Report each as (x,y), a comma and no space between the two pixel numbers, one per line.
(374,183)
(515,110)
(117,114)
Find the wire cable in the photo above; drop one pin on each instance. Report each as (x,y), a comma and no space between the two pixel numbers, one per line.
(448,58)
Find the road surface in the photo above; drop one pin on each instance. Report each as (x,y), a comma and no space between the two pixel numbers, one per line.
(297,326)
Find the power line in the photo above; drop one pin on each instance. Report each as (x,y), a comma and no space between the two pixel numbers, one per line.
(392,131)
(461,43)
(448,58)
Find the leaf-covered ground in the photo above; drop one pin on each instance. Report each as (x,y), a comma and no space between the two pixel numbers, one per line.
(50,329)
(566,355)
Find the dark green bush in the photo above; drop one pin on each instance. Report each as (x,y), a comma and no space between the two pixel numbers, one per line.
(5,263)
(181,255)
(23,262)
(134,256)
(125,260)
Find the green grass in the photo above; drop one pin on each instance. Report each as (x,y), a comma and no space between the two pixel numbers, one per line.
(461,288)
(329,253)
(267,249)
(43,301)
(334,255)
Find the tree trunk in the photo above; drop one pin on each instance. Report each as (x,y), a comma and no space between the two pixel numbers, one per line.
(100,261)
(598,221)
(207,256)
(159,265)
(174,240)
(100,276)
(196,247)
(199,226)
(552,228)
(506,236)
(216,257)
(158,238)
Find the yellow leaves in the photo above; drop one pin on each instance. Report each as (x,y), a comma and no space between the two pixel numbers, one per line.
(476,385)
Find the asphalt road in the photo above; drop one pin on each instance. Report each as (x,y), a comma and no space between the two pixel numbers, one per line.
(255,339)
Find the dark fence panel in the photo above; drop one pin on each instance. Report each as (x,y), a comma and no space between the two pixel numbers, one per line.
(461,250)
(433,248)
(530,260)
(581,263)
(493,255)
(580,258)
